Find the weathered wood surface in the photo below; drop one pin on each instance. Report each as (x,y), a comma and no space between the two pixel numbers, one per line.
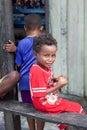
(68,24)
(7,59)
(19,108)
(6,33)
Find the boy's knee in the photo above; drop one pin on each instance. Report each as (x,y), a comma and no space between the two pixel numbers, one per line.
(15,75)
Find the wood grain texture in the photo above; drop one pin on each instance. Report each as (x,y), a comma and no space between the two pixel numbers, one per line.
(19,108)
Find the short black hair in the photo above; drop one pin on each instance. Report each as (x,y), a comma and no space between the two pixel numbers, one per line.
(32,21)
(43,39)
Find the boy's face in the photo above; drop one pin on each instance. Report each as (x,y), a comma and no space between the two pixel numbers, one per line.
(46,56)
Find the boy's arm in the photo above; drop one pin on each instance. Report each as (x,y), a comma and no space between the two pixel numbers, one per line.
(57,79)
(17,67)
(62,81)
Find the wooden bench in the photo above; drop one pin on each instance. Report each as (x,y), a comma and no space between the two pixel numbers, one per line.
(11,107)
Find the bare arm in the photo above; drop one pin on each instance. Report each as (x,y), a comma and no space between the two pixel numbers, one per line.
(62,81)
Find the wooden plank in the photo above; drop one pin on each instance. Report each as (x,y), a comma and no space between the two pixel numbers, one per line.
(85,47)
(75,47)
(2,33)
(63,40)
(20,10)
(8,34)
(58,28)
(9,124)
(47,15)
(54,28)
(19,108)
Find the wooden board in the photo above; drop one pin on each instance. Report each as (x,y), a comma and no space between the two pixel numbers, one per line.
(19,108)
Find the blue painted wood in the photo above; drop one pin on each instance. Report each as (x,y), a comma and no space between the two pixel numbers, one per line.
(25,10)
(19,20)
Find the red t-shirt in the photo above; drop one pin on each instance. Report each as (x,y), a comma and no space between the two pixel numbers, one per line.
(40,81)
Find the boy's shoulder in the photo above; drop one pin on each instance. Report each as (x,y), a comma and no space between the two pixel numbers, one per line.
(36,68)
(26,39)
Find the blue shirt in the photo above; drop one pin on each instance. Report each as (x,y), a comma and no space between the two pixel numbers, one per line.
(25,58)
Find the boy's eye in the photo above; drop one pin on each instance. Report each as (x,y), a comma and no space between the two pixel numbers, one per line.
(49,56)
(54,56)
(46,55)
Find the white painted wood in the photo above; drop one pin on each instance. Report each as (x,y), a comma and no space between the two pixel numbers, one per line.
(63,40)
(54,21)
(85,47)
(68,19)
(75,46)
(58,29)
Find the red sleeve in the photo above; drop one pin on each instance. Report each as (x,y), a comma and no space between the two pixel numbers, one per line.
(38,86)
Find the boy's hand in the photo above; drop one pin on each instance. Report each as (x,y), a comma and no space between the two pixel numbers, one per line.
(10,47)
(58,78)
(61,81)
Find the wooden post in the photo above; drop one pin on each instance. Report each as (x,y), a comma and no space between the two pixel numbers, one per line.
(6,34)
(47,15)
(7,59)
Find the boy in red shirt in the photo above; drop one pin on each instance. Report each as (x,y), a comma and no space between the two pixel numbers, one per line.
(44,87)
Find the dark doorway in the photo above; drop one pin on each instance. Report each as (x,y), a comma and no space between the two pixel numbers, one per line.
(22,8)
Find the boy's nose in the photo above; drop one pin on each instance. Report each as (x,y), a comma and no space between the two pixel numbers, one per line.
(50,59)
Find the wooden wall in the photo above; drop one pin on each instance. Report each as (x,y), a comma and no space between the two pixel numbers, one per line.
(6,33)
(68,24)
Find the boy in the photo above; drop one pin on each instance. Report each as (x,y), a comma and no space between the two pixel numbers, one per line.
(44,86)
(25,58)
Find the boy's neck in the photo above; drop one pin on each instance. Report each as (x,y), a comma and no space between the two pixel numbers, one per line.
(42,66)
(32,33)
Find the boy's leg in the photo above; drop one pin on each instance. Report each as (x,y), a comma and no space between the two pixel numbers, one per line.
(31,123)
(26,98)
(40,124)
(69,106)
(8,82)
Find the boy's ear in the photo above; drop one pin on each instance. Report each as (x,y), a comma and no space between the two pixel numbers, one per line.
(25,28)
(35,53)
(41,28)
